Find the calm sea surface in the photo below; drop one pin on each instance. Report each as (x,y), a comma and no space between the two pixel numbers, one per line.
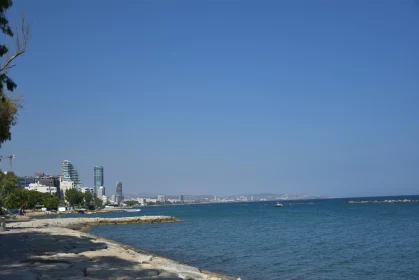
(317,239)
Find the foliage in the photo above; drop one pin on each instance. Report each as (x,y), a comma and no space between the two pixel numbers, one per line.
(7,184)
(12,196)
(8,106)
(88,197)
(131,202)
(74,197)
(98,203)
(12,201)
(51,202)
(35,198)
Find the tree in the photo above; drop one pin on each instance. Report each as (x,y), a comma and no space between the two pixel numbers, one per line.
(74,197)
(98,203)
(8,183)
(88,197)
(131,202)
(51,202)
(10,106)
(35,198)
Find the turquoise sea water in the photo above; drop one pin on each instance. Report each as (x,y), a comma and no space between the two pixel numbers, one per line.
(317,239)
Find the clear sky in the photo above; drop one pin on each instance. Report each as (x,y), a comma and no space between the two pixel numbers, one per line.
(222,97)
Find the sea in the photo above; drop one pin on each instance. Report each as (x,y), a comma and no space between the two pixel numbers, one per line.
(305,239)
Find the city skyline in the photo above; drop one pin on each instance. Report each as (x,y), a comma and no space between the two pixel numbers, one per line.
(98,177)
(279,96)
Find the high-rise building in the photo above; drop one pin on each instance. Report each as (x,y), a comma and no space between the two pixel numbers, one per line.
(98,177)
(161,198)
(100,192)
(70,173)
(119,190)
(182,198)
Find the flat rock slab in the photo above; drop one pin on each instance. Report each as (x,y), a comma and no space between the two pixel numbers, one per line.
(45,250)
(80,223)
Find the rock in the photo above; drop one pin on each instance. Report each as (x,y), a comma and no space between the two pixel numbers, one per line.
(168,274)
(148,273)
(2,224)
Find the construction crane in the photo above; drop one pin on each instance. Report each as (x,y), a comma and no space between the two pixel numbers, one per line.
(11,157)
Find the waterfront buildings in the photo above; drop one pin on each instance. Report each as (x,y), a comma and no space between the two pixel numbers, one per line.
(142,201)
(42,178)
(86,189)
(98,178)
(64,186)
(118,192)
(115,199)
(41,188)
(70,173)
(182,199)
(100,192)
(26,180)
(161,198)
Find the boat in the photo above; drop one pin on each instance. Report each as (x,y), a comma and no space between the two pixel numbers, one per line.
(279,204)
(81,211)
(132,210)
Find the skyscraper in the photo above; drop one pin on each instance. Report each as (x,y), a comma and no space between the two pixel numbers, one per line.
(98,177)
(100,192)
(119,191)
(70,173)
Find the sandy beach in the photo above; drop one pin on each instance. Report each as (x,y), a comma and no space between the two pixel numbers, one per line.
(56,249)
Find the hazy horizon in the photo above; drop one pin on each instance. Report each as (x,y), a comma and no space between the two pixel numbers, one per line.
(222,97)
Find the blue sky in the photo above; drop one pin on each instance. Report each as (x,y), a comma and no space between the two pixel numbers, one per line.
(222,97)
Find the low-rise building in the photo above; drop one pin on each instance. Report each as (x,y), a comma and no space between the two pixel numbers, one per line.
(142,201)
(86,189)
(41,188)
(64,186)
(26,180)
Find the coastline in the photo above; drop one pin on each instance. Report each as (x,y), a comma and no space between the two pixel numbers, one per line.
(57,248)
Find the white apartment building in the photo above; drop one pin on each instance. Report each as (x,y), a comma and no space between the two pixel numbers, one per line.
(64,186)
(100,192)
(41,188)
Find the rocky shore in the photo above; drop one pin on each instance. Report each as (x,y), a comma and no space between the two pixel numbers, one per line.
(52,249)
(382,201)
(83,223)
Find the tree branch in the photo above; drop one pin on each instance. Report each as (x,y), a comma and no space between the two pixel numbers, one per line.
(23,32)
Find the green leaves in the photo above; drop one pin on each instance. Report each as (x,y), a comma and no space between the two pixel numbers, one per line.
(12,196)
(98,203)
(4,23)
(12,201)
(8,106)
(74,197)
(51,202)
(88,196)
